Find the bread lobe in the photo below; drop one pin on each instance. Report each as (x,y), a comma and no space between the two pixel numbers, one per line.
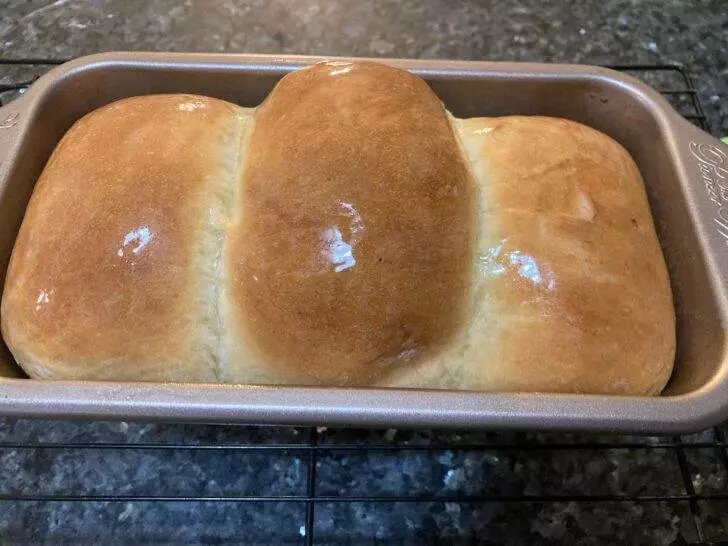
(353,254)
(113,272)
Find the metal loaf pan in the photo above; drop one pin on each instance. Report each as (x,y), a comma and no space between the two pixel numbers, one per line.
(686,172)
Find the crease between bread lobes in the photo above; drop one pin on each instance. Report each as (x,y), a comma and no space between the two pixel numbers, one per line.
(348,231)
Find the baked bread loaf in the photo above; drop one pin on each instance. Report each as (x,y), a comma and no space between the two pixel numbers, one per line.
(348,231)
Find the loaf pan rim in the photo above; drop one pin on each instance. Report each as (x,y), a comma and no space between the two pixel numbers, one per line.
(677,413)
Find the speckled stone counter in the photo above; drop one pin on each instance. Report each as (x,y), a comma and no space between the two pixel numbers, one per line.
(567,479)
(583,471)
(616,31)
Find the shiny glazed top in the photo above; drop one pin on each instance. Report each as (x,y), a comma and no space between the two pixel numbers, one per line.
(105,277)
(353,253)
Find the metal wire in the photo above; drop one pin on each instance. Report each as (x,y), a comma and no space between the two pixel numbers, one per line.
(314,449)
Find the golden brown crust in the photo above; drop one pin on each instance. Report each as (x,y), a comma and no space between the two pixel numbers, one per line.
(106,275)
(353,256)
(568,260)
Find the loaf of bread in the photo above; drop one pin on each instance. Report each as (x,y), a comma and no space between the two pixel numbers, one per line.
(348,231)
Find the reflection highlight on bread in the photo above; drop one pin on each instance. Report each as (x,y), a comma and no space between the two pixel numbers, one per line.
(349,231)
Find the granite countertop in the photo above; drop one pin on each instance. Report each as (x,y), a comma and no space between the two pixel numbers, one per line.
(613,32)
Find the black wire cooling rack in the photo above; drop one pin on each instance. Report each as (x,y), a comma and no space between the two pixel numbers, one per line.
(115,482)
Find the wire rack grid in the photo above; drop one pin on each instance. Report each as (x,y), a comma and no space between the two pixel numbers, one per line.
(126,482)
